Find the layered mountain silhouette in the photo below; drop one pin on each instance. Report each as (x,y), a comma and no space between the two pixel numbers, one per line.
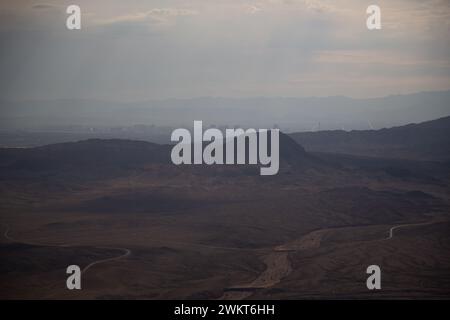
(256,112)
(425,141)
(96,156)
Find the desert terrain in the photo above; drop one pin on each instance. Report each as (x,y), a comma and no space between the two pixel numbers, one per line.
(140,227)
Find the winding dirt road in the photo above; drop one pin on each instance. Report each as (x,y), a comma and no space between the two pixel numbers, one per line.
(125,252)
(391,230)
(278,265)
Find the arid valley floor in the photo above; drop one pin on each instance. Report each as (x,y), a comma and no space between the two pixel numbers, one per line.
(140,227)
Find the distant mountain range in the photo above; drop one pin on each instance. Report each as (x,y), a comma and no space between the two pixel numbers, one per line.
(290,114)
(425,141)
(429,140)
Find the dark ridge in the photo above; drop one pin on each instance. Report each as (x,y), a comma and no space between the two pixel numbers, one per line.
(87,153)
(97,158)
(424,141)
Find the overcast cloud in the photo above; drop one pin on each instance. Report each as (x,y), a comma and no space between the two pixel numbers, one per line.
(139,50)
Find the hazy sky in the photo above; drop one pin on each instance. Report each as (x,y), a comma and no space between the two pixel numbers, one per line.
(138,50)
